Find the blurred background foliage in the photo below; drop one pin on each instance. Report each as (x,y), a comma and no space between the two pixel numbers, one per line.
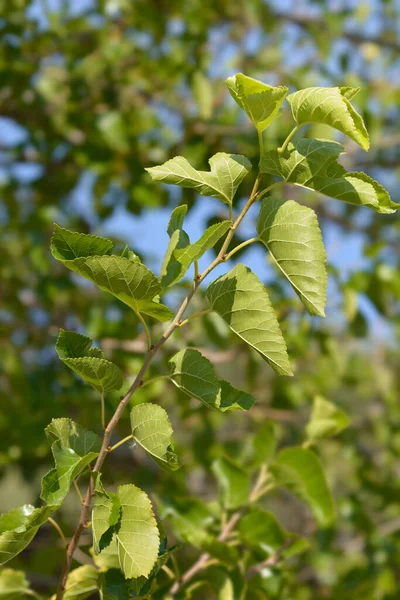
(91,93)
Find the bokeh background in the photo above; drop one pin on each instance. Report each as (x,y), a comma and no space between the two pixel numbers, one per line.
(91,93)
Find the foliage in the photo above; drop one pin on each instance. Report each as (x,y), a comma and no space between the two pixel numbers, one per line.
(247,498)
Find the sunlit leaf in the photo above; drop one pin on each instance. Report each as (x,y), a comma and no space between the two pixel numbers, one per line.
(242,301)
(313,164)
(105,514)
(260,101)
(73,448)
(292,235)
(195,375)
(152,429)
(128,280)
(330,106)
(136,533)
(226,174)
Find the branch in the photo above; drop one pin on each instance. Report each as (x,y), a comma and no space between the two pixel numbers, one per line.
(150,354)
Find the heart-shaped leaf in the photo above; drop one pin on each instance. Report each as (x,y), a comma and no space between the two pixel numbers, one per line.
(126,521)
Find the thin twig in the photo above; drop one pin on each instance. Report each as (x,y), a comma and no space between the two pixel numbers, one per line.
(118,444)
(195,316)
(59,530)
(78,491)
(103,412)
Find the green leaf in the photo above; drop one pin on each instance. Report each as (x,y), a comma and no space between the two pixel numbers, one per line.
(131,282)
(326,420)
(152,429)
(14,585)
(176,219)
(73,448)
(105,514)
(181,253)
(292,235)
(108,556)
(234,483)
(75,345)
(300,470)
(137,533)
(191,519)
(264,443)
(102,374)
(313,164)
(330,106)
(114,586)
(82,583)
(19,527)
(171,267)
(260,530)
(260,101)
(128,280)
(191,372)
(76,352)
(242,301)
(66,245)
(226,174)
(221,581)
